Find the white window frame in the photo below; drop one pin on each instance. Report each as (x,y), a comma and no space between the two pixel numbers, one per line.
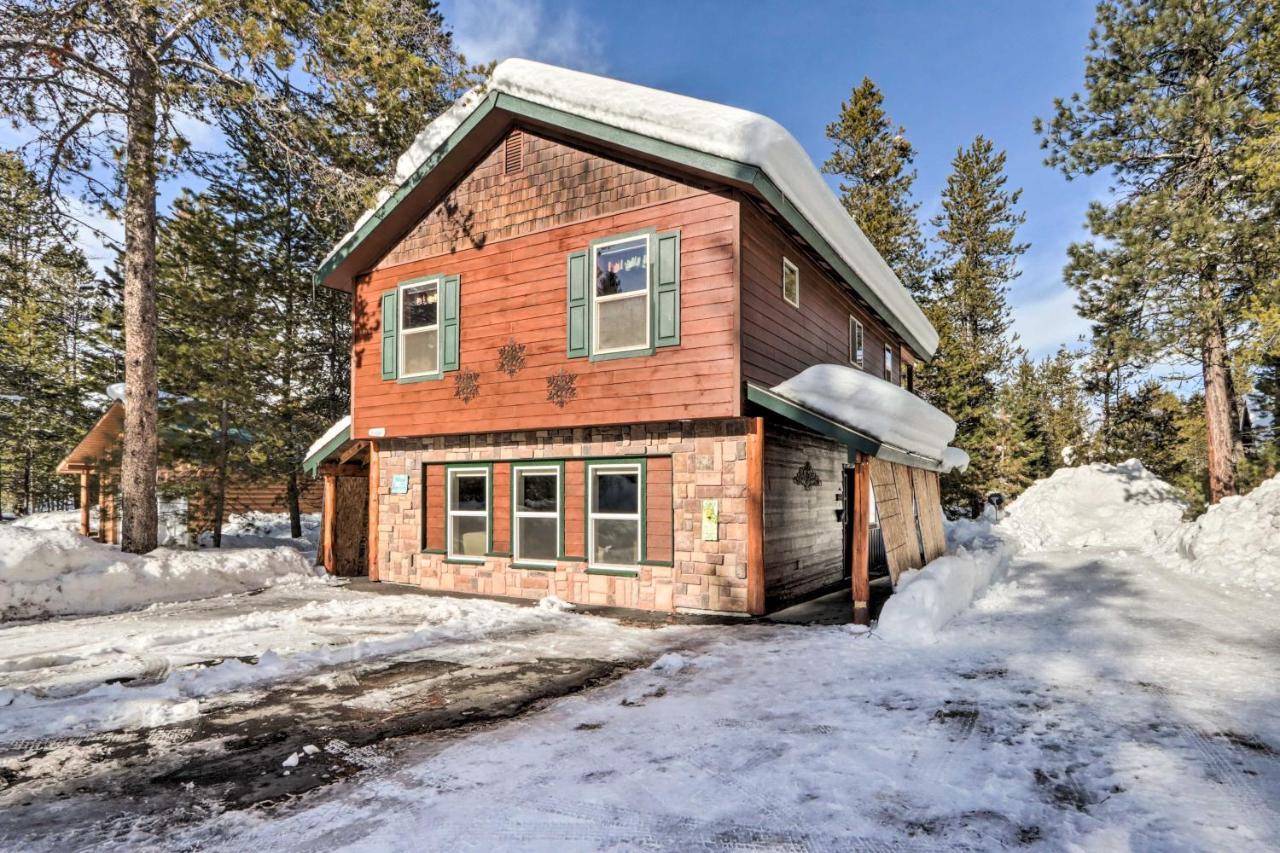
(450,512)
(517,513)
(888,363)
(788,265)
(402,333)
(857,342)
(646,294)
(592,515)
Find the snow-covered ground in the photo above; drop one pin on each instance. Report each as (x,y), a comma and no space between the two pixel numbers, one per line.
(1115,693)
(266,530)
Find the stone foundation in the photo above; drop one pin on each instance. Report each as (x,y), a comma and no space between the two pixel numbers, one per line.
(708,460)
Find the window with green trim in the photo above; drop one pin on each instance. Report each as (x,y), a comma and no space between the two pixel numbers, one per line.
(536,500)
(613,515)
(419,329)
(468,533)
(620,299)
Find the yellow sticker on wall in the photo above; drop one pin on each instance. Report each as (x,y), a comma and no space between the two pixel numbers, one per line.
(710,520)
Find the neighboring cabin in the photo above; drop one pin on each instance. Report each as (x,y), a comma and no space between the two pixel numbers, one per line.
(568,319)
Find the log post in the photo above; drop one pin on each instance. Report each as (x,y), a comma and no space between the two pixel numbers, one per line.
(373,510)
(755,517)
(860,531)
(84,503)
(328,508)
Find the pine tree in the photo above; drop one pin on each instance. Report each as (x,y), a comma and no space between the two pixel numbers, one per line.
(1174,91)
(872,160)
(967,303)
(101,86)
(1062,412)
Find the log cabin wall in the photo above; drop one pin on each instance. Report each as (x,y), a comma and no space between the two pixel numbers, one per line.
(508,237)
(802,536)
(778,339)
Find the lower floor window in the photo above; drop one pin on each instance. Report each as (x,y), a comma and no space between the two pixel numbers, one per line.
(468,512)
(613,520)
(537,511)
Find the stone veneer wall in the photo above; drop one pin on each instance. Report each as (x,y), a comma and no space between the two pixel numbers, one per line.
(709,460)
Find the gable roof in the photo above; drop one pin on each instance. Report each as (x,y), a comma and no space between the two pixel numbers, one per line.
(733,145)
(97,442)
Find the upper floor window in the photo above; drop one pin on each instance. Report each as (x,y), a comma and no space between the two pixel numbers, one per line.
(419,328)
(856,343)
(790,282)
(620,301)
(888,363)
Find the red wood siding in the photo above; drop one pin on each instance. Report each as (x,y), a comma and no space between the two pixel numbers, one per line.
(575,490)
(558,184)
(660,538)
(513,289)
(501,509)
(434,538)
(780,340)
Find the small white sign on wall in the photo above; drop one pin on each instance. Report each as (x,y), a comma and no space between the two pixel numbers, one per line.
(710,520)
(400,484)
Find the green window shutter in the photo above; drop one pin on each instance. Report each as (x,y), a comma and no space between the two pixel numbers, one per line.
(449,324)
(579,306)
(390,318)
(666,290)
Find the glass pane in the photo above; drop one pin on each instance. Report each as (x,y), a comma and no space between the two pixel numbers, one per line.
(469,535)
(537,492)
(537,539)
(616,493)
(419,353)
(418,306)
(615,542)
(791,284)
(468,491)
(623,267)
(622,323)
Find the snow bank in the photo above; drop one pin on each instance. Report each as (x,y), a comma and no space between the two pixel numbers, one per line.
(54,572)
(1235,543)
(927,599)
(67,520)
(872,406)
(1095,506)
(705,126)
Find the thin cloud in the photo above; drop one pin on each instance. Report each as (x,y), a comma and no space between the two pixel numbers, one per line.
(487,30)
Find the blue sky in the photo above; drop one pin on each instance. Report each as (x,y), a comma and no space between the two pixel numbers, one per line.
(948,71)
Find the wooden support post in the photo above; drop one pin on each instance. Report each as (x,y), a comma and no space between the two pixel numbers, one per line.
(107,510)
(860,553)
(328,507)
(755,517)
(84,503)
(373,511)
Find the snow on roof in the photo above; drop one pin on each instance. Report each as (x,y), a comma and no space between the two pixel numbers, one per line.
(343,423)
(874,407)
(705,126)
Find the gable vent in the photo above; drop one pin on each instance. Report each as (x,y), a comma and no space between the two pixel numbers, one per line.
(513,153)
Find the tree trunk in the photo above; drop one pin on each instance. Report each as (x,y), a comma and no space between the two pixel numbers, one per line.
(220,485)
(295,514)
(1217,415)
(138,466)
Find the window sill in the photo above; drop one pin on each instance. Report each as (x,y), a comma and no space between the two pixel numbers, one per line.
(630,353)
(465,561)
(426,377)
(533,567)
(616,573)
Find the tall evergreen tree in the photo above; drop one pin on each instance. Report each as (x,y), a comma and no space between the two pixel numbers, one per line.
(967,303)
(102,85)
(872,160)
(1174,89)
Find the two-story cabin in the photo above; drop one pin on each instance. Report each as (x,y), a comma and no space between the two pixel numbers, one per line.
(574,318)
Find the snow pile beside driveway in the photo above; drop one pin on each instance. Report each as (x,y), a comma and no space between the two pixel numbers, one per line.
(927,599)
(55,572)
(64,520)
(1095,506)
(1235,543)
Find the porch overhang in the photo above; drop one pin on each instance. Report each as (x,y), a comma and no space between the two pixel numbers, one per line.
(856,440)
(97,443)
(333,441)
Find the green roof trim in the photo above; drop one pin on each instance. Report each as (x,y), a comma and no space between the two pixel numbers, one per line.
(846,435)
(728,170)
(312,463)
